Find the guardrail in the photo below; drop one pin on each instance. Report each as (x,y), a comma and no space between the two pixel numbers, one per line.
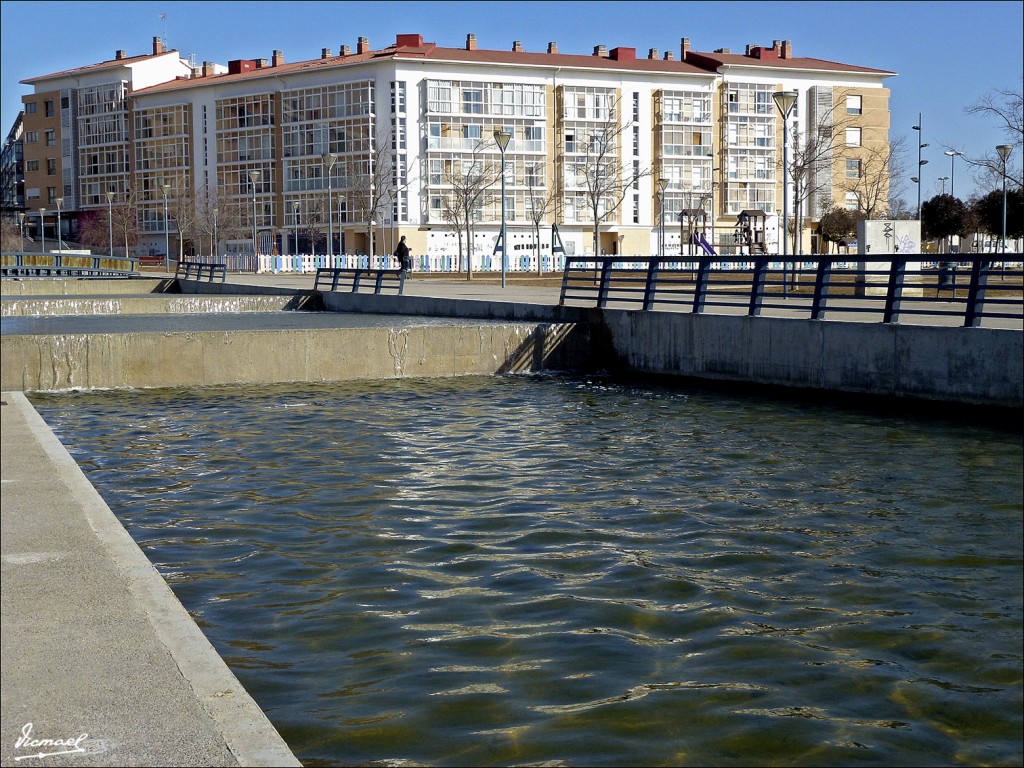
(65,265)
(185,269)
(889,286)
(354,280)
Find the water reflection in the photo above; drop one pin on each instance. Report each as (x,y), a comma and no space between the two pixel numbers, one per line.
(543,570)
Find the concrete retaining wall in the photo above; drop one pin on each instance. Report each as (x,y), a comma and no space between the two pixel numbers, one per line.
(981,366)
(45,286)
(155,304)
(57,362)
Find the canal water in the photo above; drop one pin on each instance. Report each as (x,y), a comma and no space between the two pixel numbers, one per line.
(551,570)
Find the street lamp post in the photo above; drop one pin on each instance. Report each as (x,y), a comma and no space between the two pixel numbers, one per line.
(952,154)
(662,186)
(295,210)
(21,230)
(1004,152)
(42,230)
(110,222)
(215,238)
(943,179)
(166,189)
(254,176)
(920,162)
(502,137)
(59,201)
(785,101)
(330,159)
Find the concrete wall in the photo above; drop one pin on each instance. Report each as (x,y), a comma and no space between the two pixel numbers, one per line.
(82,286)
(155,304)
(43,362)
(980,366)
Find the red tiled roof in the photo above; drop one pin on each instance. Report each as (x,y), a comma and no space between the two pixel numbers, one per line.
(95,67)
(716,60)
(696,64)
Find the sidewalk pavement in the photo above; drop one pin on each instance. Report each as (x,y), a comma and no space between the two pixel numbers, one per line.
(101,663)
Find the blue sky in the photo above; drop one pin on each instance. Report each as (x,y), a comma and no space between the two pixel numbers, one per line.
(946,54)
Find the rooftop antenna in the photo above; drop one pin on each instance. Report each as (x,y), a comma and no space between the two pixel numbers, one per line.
(163,20)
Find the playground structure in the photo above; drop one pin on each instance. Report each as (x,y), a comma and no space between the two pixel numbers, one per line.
(746,237)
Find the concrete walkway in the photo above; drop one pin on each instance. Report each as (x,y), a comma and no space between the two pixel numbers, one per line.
(101,663)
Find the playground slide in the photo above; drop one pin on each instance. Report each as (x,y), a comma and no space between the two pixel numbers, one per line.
(699,239)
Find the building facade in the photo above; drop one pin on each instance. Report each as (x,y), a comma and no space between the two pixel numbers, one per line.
(371,144)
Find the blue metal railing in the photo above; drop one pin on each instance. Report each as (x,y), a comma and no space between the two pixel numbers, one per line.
(889,286)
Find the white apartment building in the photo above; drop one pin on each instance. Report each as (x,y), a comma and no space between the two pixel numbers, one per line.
(284,153)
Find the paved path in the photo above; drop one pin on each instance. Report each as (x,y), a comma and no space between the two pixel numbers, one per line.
(96,648)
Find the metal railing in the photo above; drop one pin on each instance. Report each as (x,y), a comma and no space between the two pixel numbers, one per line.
(194,270)
(889,287)
(354,280)
(65,265)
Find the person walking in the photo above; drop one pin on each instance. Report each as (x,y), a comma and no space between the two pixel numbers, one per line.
(404,260)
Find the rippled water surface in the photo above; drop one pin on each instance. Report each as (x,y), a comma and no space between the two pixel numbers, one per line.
(524,570)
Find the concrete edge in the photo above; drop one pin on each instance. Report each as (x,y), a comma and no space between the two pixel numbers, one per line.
(247,731)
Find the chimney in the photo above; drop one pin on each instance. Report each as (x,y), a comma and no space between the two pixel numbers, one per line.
(552,47)
(196,71)
(749,49)
(121,55)
(262,63)
(787,50)
(277,60)
(363,45)
(325,53)
(344,51)
(684,48)
(652,53)
(623,54)
(517,46)
(470,42)
(776,45)
(207,68)
(600,50)
(723,50)
(669,56)
(158,46)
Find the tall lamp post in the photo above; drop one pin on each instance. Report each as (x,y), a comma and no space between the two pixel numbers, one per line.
(21,230)
(59,201)
(662,186)
(166,189)
(110,222)
(216,211)
(254,177)
(920,162)
(952,154)
(42,229)
(1004,152)
(502,137)
(295,210)
(943,179)
(330,159)
(785,101)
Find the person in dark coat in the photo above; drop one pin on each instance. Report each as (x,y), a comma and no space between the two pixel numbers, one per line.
(402,254)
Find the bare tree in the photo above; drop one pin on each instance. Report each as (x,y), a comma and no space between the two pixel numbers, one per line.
(1006,107)
(370,188)
(539,204)
(124,219)
(880,179)
(603,176)
(466,182)
(10,236)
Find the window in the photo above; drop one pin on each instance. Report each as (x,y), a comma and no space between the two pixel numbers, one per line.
(51,167)
(32,165)
(51,138)
(853,137)
(853,105)
(852,201)
(853,169)
(51,195)
(48,105)
(30,107)
(473,101)
(31,137)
